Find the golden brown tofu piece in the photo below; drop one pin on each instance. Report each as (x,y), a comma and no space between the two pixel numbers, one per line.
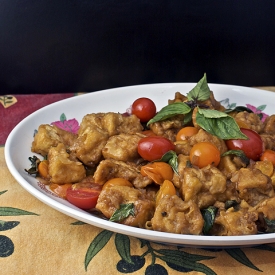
(111,198)
(174,215)
(249,120)
(252,185)
(49,136)
(267,208)
(234,223)
(268,141)
(168,128)
(108,169)
(88,146)
(204,186)
(62,169)
(230,164)
(269,125)
(122,147)
(112,123)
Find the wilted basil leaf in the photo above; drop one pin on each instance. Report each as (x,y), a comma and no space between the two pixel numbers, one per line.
(238,153)
(171,158)
(238,109)
(124,211)
(270,225)
(219,124)
(209,215)
(34,166)
(201,91)
(231,203)
(170,110)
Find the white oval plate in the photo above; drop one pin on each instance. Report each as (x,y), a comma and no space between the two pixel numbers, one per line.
(17,150)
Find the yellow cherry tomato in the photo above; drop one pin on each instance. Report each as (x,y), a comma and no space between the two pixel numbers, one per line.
(204,153)
(117,182)
(268,155)
(167,188)
(186,132)
(157,171)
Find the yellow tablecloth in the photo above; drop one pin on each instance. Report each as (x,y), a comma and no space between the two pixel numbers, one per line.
(36,239)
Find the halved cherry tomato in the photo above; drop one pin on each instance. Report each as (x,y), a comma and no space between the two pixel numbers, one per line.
(153,148)
(252,147)
(268,155)
(117,182)
(157,171)
(60,189)
(204,153)
(144,108)
(82,196)
(185,132)
(167,188)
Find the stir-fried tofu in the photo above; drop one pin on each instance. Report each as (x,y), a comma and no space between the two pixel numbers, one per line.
(111,198)
(174,215)
(49,136)
(62,169)
(108,169)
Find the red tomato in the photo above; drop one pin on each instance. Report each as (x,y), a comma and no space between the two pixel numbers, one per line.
(252,147)
(83,197)
(204,153)
(153,148)
(144,108)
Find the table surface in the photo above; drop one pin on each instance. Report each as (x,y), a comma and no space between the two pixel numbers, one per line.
(36,239)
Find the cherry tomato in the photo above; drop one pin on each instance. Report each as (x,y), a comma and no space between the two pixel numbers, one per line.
(148,133)
(60,189)
(268,155)
(117,182)
(83,197)
(144,108)
(153,148)
(252,147)
(186,132)
(204,153)
(157,171)
(167,188)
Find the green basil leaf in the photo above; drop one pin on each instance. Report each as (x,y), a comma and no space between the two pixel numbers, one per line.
(124,211)
(238,153)
(201,91)
(187,118)
(170,110)
(209,215)
(219,124)
(34,166)
(171,158)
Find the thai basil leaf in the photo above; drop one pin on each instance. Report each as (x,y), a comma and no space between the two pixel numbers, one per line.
(123,212)
(34,166)
(238,109)
(170,110)
(270,225)
(209,215)
(238,153)
(219,124)
(171,158)
(231,203)
(187,118)
(201,91)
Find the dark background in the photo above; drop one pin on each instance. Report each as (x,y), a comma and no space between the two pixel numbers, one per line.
(52,46)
